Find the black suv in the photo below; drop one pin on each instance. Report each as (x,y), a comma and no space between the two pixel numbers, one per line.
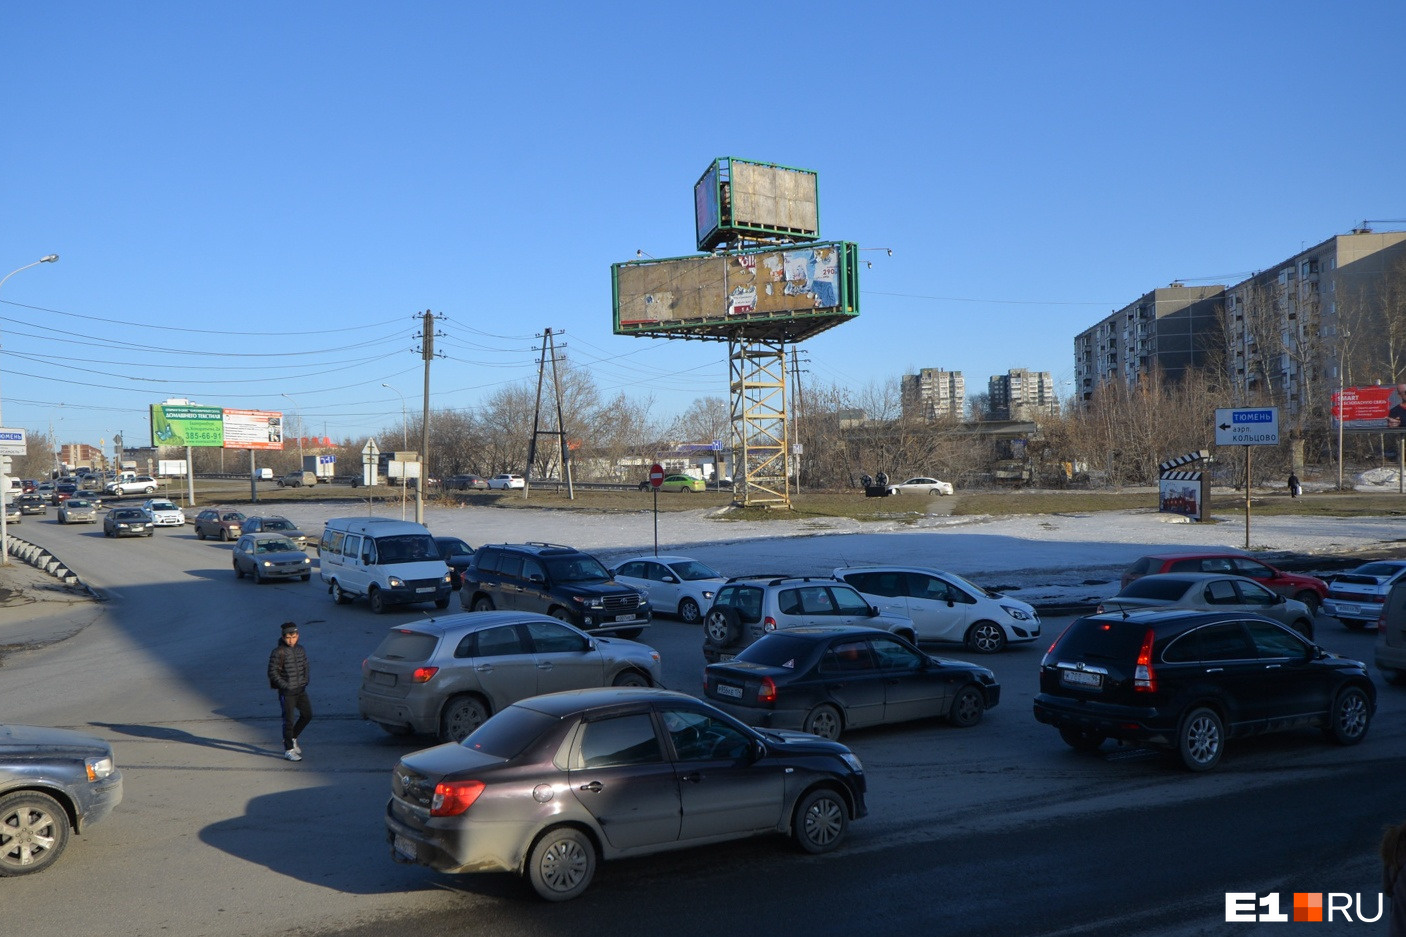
(1188,680)
(554,580)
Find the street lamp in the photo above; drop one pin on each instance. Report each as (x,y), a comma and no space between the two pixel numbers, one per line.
(404,445)
(4,480)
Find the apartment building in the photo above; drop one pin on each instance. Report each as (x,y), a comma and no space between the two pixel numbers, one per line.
(932,394)
(1170,329)
(1021,394)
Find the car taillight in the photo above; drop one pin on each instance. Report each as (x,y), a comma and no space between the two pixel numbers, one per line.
(452,798)
(1144,679)
(768,623)
(423,674)
(766,693)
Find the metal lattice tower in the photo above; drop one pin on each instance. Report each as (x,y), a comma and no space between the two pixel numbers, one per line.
(757,379)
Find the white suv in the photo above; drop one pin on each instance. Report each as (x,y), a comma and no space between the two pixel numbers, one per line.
(143,484)
(945,607)
(748,607)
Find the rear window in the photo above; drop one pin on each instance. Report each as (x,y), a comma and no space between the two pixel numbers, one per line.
(507,734)
(1165,590)
(1378,569)
(1141,567)
(779,650)
(406,645)
(1091,639)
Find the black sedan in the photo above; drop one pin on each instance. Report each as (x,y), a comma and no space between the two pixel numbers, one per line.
(128,522)
(456,555)
(553,784)
(830,678)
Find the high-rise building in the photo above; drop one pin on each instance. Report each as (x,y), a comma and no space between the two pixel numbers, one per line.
(1021,394)
(933,393)
(1171,329)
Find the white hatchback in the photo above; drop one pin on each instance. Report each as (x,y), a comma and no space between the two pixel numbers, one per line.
(946,607)
(675,584)
(164,513)
(505,481)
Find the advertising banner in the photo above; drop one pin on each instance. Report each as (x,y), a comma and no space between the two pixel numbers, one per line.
(186,425)
(253,429)
(1181,493)
(1380,408)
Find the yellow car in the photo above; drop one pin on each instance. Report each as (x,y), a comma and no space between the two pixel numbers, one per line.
(683,483)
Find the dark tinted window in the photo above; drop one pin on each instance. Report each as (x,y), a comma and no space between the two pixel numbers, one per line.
(1226,641)
(886,584)
(486,560)
(406,645)
(493,642)
(579,568)
(635,570)
(508,733)
(551,638)
(1162,590)
(746,599)
(847,656)
(1273,641)
(779,649)
(1221,592)
(1252,568)
(1091,639)
(622,740)
(1141,567)
(894,656)
(510,565)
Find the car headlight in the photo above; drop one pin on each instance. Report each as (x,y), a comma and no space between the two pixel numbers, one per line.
(707,594)
(395,582)
(266,563)
(1019,614)
(307,561)
(590,601)
(851,759)
(448,576)
(99,768)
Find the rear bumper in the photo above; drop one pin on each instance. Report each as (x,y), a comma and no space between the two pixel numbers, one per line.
(1132,724)
(761,718)
(419,715)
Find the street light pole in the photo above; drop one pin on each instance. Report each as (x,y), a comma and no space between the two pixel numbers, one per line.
(4,480)
(404,444)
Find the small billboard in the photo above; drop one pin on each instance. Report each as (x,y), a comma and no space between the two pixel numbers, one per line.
(739,198)
(217,427)
(1380,408)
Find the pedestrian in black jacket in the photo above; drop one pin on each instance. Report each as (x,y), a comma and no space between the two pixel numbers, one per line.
(289,675)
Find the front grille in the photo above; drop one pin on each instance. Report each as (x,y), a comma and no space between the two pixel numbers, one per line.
(622,603)
(422,583)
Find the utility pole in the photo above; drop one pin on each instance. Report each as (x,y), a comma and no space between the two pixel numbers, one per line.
(548,347)
(427,336)
(797,400)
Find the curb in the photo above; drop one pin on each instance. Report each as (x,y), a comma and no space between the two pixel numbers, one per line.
(43,560)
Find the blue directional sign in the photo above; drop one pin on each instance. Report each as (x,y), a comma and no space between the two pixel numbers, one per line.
(1247,426)
(12,442)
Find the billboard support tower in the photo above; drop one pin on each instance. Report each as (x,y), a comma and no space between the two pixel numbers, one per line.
(759,420)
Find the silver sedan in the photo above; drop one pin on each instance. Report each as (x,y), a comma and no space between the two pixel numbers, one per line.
(444,676)
(922,486)
(1212,591)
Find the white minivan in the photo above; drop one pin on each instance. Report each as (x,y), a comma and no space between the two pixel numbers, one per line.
(390,562)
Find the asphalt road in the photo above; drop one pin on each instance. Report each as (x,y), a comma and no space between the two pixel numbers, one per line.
(999,829)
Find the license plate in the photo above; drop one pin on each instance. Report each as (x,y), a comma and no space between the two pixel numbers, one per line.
(629,617)
(425,589)
(733,691)
(1347,607)
(383,678)
(405,847)
(1081,678)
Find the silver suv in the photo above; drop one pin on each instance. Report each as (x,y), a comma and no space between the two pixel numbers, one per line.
(748,607)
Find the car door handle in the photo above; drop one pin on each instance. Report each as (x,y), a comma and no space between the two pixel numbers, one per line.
(544,665)
(694,777)
(1215,670)
(595,787)
(484,668)
(1272,666)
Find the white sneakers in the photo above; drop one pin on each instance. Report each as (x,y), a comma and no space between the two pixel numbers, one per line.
(296,747)
(292,755)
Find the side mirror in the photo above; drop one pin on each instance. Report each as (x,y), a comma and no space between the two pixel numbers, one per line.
(669,579)
(874,612)
(758,751)
(536,577)
(1279,599)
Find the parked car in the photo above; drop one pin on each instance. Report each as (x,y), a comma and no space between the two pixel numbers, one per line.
(944,607)
(677,584)
(1214,593)
(506,481)
(276,524)
(1390,652)
(62,492)
(465,483)
(298,480)
(682,483)
(1189,680)
(554,580)
(220,523)
(829,679)
(270,556)
(748,607)
(922,485)
(142,484)
(78,511)
(54,783)
(606,764)
(164,513)
(445,676)
(32,503)
(1356,597)
(457,555)
(1310,590)
(127,522)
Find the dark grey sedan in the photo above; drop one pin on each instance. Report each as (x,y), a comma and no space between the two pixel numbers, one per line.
(1212,592)
(53,782)
(127,522)
(554,784)
(270,556)
(276,524)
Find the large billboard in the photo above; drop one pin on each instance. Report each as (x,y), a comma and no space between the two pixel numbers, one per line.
(1380,408)
(743,198)
(790,292)
(192,425)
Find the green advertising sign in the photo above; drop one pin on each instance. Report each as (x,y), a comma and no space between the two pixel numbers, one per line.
(186,425)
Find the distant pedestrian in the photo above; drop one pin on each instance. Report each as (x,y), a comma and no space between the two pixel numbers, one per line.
(1394,877)
(1295,489)
(289,675)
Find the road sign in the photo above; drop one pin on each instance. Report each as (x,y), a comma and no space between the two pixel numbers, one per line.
(12,442)
(369,452)
(656,475)
(1247,426)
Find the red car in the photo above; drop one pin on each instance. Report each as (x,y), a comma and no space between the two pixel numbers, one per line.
(1309,590)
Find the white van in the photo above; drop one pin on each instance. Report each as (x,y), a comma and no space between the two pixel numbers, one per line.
(263,474)
(390,562)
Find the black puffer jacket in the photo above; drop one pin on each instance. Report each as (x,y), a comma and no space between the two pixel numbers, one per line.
(288,668)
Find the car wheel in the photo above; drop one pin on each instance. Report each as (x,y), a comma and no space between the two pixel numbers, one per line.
(441,603)
(630,678)
(338,596)
(1304,627)
(561,864)
(722,626)
(1350,717)
(377,601)
(483,604)
(1201,740)
(1311,599)
(824,721)
(238,573)
(258,576)
(224,534)
(461,716)
(33,832)
(986,637)
(150,532)
(690,612)
(821,821)
(967,707)
(199,533)
(560,614)
(1081,740)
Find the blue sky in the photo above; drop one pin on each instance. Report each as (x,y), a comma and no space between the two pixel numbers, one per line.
(255,199)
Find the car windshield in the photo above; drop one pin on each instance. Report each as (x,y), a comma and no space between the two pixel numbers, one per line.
(78,503)
(1149,587)
(577,569)
(232,516)
(406,548)
(276,523)
(689,570)
(275,545)
(163,506)
(129,514)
